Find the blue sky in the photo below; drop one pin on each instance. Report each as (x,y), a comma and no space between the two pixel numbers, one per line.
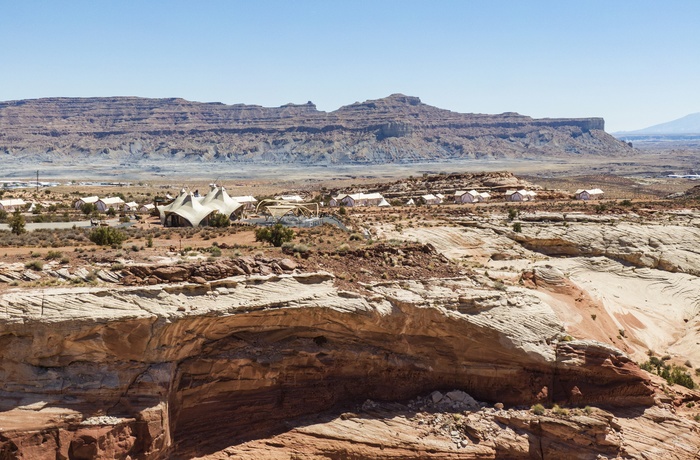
(635,63)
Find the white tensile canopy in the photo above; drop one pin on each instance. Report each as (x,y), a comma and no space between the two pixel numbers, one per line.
(220,200)
(175,204)
(189,209)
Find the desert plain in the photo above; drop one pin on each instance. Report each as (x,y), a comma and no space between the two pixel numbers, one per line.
(554,328)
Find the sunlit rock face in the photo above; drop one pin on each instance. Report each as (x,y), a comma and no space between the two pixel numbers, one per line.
(185,369)
(397,128)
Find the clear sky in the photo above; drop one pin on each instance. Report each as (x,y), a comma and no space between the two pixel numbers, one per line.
(634,62)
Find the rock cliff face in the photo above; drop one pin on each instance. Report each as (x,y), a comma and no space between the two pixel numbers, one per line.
(394,129)
(670,248)
(180,370)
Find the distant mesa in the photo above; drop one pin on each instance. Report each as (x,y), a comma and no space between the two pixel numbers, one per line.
(394,129)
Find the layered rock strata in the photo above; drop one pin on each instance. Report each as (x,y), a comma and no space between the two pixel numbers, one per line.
(180,370)
(397,128)
(454,426)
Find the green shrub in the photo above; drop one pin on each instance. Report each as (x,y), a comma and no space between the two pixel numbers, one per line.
(88,208)
(52,255)
(679,376)
(537,409)
(219,220)
(673,374)
(107,236)
(301,248)
(35,265)
(517,227)
(17,223)
(275,235)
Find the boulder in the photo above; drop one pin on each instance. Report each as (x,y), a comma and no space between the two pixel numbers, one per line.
(172,274)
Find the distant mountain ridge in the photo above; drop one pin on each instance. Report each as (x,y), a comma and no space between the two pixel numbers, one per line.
(689,124)
(397,128)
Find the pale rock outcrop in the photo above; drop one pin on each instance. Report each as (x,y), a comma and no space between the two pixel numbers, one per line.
(672,248)
(162,362)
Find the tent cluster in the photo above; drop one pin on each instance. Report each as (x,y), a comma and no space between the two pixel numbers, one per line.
(188,210)
(101,204)
(359,199)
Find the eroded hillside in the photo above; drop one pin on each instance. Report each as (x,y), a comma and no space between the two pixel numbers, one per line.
(397,128)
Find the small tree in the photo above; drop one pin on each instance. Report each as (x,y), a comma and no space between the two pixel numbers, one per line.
(107,236)
(517,227)
(219,220)
(276,235)
(87,208)
(17,223)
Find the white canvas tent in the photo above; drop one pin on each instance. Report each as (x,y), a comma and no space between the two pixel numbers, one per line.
(431,199)
(86,200)
(11,204)
(520,195)
(590,194)
(110,202)
(247,201)
(462,196)
(337,200)
(362,199)
(290,198)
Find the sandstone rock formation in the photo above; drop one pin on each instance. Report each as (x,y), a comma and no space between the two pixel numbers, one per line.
(666,247)
(426,429)
(180,370)
(397,128)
